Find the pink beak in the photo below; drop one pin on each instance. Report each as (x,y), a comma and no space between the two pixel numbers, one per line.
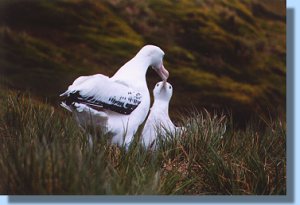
(163,73)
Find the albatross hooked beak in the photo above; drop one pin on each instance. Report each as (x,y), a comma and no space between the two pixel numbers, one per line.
(162,72)
(163,87)
(164,83)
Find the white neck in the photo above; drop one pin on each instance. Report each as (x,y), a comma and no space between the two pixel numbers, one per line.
(161,106)
(133,72)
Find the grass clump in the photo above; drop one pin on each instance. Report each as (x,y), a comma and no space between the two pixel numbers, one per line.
(44,152)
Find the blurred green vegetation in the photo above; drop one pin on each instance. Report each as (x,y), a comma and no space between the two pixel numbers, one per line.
(223,55)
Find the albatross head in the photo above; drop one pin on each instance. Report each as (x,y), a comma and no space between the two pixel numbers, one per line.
(155,56)
(163,91)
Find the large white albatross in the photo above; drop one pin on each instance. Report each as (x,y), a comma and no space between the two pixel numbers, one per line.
(119,104)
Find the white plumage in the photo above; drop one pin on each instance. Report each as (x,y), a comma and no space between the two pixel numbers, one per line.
(119,104)
(158,121)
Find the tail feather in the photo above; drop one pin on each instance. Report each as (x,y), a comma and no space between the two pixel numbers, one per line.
(65,94)
(64,105)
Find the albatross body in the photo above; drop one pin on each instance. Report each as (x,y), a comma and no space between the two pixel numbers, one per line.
(158,121)
(117,105)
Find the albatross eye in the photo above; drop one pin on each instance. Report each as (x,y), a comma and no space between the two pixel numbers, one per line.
(157,84)
(170,86)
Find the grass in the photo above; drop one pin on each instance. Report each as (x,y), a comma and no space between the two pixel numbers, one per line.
(44,152)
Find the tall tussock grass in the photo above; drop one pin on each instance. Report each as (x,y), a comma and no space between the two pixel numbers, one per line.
(44,152)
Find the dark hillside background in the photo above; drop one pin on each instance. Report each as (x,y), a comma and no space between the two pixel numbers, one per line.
(225,55)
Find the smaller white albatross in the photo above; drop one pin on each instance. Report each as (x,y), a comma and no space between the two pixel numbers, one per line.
(117,105)
(158,121)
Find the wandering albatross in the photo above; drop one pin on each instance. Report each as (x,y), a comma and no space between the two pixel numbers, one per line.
(118,105)
(158,121)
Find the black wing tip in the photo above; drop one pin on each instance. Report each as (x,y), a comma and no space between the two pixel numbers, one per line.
(69,98)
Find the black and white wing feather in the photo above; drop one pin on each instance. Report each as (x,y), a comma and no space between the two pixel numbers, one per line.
(100,92)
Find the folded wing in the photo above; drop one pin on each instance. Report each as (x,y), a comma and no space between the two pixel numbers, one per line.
(100,92)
